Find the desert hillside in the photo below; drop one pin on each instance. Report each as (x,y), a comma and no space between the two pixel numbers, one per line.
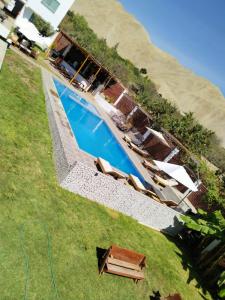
(190,92)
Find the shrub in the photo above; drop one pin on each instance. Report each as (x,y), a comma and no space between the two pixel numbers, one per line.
(43,27)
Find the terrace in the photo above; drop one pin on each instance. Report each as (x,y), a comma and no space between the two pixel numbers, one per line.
(44,227)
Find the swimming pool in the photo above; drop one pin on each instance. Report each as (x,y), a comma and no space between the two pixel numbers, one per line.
(92,133)
(63,90)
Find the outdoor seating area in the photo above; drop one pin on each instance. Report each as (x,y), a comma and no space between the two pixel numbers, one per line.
(130,179)
(163,196)
(24,42)
(166,177)
(163,174)
(68,73)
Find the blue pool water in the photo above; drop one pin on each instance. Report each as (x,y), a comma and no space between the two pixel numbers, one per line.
(92,133)
(62,89)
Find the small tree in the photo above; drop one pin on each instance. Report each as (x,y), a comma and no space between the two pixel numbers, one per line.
(143,71)
(43,27)
(221,285)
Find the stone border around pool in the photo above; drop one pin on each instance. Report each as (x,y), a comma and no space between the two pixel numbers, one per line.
(77,173)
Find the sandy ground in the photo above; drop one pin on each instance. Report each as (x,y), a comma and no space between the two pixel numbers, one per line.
(178,84)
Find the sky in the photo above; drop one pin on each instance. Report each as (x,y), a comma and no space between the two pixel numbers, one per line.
(193,31)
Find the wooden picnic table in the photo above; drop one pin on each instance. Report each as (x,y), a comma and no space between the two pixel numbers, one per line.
(123,262)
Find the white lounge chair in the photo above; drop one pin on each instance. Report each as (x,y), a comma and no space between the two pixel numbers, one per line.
(108,169)
(127,139)
(148,165)
(169,203)
(138,150)
(165,182)
(137,184)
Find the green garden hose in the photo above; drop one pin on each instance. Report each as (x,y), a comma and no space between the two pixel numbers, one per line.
(26,259)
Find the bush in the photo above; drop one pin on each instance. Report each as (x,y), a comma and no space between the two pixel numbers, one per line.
(212,182)
(43,27)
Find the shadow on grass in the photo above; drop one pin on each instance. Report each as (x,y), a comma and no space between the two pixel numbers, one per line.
(156,296)
(187,260)
(100,252)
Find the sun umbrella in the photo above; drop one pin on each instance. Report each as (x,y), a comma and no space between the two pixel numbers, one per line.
(177,172)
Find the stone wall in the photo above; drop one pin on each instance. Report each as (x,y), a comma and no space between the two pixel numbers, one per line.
(114,194)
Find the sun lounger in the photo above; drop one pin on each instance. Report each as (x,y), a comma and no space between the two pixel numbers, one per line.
(137,184)
(169,203)
(107,169)
(138,150)
(120,121)
(135,181)
(133,140)
(126,138)
(165,182)
(148,165)
(80,86)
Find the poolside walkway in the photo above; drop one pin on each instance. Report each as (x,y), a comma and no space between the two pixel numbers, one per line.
(3,47)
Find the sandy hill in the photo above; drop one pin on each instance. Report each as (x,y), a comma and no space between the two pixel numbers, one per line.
(190,92)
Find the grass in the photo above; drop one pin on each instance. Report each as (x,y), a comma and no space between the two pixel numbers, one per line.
(48,236)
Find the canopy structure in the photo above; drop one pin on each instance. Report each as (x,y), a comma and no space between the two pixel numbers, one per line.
(157,134)
(177,172)
(29,30)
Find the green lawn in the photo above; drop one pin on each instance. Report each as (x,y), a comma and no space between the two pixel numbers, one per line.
(48,236)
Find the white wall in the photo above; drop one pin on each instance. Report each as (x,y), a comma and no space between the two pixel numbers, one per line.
(53,18)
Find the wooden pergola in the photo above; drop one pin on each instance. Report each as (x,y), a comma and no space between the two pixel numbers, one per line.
(88,57)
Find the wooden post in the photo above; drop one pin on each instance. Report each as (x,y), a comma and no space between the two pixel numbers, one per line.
(96,74)
(78,71)
(50,47)
(108,81)
(94,78)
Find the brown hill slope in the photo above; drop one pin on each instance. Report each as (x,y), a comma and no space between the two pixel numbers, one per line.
(176,83)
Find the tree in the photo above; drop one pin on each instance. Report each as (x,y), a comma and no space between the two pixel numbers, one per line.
(43,27)
(208,224)
(221,285)
(143,71)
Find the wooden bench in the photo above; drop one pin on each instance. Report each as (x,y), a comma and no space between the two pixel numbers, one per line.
(123,262)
